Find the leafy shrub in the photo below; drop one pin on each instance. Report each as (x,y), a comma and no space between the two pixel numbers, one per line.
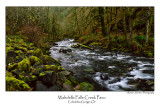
(140,39)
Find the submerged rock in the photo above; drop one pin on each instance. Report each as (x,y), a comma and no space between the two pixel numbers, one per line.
(65,50)
(104,76)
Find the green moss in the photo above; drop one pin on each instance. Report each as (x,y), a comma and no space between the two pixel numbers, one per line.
(12,66)
(8,49)
(83,46)
(42,74)
(24,65)
(19,52)
(13,84)
(9,74)
(86,87)
(47,60)
(72,79)
(38,53)
(68,82)
(31,45)
(50,68)
(35,61)
(60,68)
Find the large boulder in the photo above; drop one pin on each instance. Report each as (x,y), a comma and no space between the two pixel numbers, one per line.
(48,78)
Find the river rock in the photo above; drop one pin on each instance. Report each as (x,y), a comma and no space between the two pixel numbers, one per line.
(65,50)
(104,76)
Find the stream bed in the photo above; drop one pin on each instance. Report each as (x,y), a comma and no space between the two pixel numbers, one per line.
(106,71)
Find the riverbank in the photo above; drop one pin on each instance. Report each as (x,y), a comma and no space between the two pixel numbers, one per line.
(29,68)
(137,47)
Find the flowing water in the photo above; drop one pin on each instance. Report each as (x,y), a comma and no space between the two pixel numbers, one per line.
(105,70)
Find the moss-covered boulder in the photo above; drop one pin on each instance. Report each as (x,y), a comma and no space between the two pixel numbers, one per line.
(12,66)
(47,60)
(85,87)
(35,61)
(48,77)
(13,84)
(18,47)
(24,65)
(19,53)
(38,53)
(28,78)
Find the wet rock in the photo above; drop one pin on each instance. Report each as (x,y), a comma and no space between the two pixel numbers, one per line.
(115,80)
(48,78)
(75,46)
(142,84)
(65,50)
(104,76)
(40,86)
(148,71)
(60,78)
(67,87)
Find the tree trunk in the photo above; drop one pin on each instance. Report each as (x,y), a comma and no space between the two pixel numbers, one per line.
(101,13)
(124,25)
(148,27)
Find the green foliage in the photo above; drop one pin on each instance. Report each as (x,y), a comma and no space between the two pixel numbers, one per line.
(24,65)
(140,39)
(86,87)
(13,84)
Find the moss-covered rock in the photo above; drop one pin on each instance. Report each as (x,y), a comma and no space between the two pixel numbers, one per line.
(13,84)
(50,68)
(24,65)
(47,60)
(35,61)
(38,52)
(27,78)
(12,67)
(19,53)
(86,87)
(9,74)
(72,80)
(60,68)
(23,49)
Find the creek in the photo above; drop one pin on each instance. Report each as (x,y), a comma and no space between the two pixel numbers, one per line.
(106,71)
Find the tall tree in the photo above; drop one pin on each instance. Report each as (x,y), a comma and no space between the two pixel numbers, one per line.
(101,13)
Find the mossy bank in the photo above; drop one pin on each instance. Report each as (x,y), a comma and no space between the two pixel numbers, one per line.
(28,68)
